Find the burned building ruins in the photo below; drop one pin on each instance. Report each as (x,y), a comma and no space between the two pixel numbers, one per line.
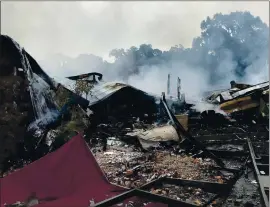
(140,149)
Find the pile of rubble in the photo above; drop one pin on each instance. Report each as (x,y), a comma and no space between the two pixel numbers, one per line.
(134,169)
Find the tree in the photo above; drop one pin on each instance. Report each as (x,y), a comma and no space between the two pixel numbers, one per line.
(62,96)
(83,88)
(232,42)
(229,44)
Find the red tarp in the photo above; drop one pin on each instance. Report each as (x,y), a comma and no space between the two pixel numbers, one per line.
(68,177)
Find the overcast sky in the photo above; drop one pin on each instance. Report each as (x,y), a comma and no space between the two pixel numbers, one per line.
(72,28)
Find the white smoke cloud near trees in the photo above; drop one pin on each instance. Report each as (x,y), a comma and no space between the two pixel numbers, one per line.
(226,46)
(231,46)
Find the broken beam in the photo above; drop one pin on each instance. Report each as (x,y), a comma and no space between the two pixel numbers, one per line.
(180,130)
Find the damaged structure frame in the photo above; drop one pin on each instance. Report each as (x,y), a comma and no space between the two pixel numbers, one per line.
(220,190)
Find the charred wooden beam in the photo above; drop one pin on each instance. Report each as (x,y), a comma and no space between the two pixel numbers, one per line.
(263,180)
(181,131)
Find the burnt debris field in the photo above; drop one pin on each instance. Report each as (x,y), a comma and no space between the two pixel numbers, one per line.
(103,143)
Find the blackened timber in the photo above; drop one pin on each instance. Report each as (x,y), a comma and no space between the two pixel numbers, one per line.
(205,185)
(229,136)
(142,194)
(115,199)
(263,180)
(228,154)
(152,183)
(87,75)
(162,199)
(210,187)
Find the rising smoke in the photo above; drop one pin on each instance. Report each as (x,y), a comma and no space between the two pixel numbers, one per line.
(231,47)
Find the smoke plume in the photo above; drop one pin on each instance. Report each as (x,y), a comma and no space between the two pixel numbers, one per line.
(231,47)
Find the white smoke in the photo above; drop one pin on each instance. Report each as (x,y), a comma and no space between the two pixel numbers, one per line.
(153,79)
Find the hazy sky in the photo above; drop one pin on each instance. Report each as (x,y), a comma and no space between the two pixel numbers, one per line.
(71,28)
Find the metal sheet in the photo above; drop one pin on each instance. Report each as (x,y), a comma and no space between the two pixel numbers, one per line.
(242,92)
(226,95)
(233,93)
(103,91)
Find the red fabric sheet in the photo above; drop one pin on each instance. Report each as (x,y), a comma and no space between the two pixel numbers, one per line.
(68,177)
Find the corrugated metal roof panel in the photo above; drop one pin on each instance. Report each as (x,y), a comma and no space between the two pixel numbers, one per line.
(252,88)
(102,91)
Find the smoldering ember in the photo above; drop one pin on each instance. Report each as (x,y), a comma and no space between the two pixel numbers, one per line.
(87,141)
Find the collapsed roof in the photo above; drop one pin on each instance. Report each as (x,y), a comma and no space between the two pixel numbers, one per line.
(226,95)
(104,91)
(241,97)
